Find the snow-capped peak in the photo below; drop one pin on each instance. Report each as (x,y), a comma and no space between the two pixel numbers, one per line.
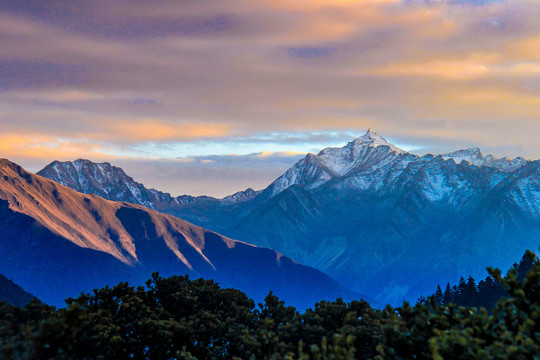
(101,179)
(369,139)
(372,139)
(240,196)
(363,155)
(369,148)
(473,156)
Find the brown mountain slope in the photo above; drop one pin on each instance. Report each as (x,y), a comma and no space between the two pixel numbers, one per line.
(57,242)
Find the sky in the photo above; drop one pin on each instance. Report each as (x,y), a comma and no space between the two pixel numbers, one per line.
(211,97)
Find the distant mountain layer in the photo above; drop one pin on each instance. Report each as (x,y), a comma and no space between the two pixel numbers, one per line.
(12,293)
(111,182)
(382,220)
(57,242)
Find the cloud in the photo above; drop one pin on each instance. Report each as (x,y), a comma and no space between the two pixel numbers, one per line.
(213,175)
(310,52)
(468,2)
(154,130)
(16,75)
(42,148)
(189,78)
(526,49)
(461,69)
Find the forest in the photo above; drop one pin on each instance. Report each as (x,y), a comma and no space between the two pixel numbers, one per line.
(180,318)
(484,294)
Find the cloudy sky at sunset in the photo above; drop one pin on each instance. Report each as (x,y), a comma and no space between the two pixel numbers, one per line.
(210,97)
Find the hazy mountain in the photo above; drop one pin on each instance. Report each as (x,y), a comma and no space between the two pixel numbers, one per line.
(474,157)
(57,242)
(112,183)
(386,221)
(12,293)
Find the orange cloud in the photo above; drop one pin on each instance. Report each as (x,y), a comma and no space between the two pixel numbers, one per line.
(315,5)
(483,104)
(266,154)
(446,69)
(45,147)
(446,66)
(471,67)
(156,130)
(339,20)
(526,49)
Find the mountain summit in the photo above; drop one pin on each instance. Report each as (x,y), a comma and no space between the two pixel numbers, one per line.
(102,179)
(372,139)
(368,150)
(363,154)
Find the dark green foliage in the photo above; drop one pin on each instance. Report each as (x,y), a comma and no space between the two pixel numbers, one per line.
(439,332)
(486,293)
(177,318)
(17,326)
(439,296)
(169,317)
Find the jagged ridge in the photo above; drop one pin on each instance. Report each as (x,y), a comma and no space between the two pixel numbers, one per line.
(112,183)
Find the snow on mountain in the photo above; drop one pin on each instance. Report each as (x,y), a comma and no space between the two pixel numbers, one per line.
(368,151)
(112,183)
(474,157)
(365,155)
(103,179)
(505,164)
(525,189)
(368,162)
(394,223)
(307,171)
(239,197)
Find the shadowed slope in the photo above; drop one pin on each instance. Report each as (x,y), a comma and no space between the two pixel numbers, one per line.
(58,242)
(12,293)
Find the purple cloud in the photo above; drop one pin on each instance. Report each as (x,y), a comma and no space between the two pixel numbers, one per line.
(22,74)
(311,52)
(123,20)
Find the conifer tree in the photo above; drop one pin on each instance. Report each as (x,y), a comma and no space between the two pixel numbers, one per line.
(439,296)
(448,295)
(470,293)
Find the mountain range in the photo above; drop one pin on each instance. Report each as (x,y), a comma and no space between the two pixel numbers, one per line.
(386,222)
(57,242)
(112,183)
